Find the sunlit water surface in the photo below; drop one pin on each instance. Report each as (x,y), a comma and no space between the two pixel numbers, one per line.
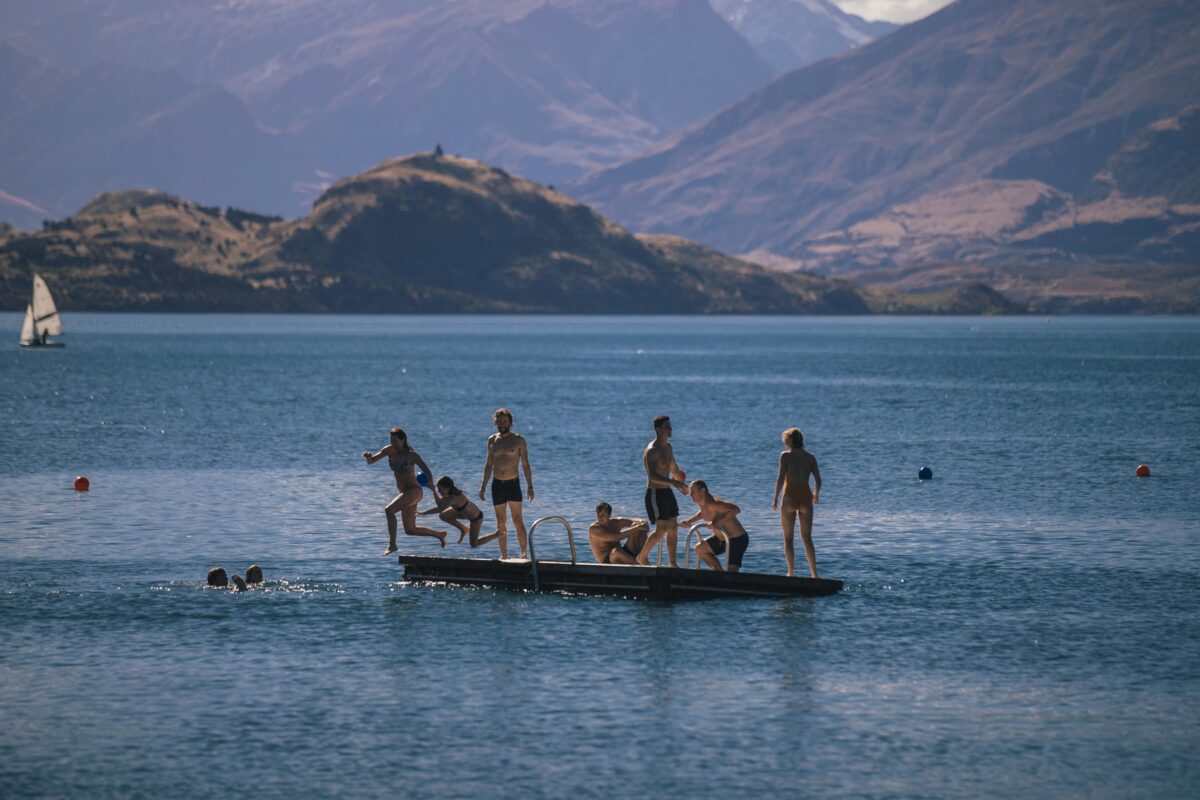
(1025,624)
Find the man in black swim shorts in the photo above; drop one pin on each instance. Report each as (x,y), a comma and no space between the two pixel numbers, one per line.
(662,473)
(506,452)
(606,534)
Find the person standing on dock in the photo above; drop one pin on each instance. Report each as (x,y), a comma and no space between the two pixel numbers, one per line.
(404,462)
(795,466)
(608,532)
(662,473)
(505,452)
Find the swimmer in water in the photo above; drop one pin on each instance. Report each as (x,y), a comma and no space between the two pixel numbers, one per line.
(795,466)
(404,462)
(217,578)
(451,505)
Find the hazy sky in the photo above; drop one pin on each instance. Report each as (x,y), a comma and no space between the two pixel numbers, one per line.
(892,10)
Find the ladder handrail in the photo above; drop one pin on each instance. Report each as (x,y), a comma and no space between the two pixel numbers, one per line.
(533,554)
(687,545)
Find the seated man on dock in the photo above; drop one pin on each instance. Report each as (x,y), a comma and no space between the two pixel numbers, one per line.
(721,516)
(607,532)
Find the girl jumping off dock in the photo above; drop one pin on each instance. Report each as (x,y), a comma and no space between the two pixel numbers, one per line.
(404,462)
(452,505)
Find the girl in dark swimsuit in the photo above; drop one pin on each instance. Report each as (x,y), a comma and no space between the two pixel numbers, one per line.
(404,462)
(452,505)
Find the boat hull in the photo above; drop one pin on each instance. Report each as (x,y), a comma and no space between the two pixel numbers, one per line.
(650,583)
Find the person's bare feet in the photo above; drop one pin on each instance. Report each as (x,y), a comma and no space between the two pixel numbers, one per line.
(442,539)
(461,535)
(391,548)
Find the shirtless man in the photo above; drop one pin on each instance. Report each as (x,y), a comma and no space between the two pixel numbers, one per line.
(721,516)
(795,466)
(507,450)
(662,473)
(607,532)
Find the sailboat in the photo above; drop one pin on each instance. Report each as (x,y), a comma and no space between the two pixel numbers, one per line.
(41,318)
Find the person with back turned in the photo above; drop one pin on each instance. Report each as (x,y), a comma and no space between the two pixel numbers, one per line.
(662,473)
(506,451)
(795,466)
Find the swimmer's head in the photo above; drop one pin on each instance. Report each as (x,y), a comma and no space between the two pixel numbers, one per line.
(254,574)
(793,438)
(398,436)
(217,578)
(239,585)
(603,512)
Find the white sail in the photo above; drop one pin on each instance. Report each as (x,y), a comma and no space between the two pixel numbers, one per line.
(27,328)
(45,315)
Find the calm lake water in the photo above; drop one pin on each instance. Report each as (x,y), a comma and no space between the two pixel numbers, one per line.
(1025,624)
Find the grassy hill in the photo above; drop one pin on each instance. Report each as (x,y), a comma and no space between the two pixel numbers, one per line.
(425,233)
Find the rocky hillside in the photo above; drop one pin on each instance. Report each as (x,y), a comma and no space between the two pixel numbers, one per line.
(426,233)
(991,123)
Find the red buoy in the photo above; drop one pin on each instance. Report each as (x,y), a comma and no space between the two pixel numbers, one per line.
(82,484)
(1143,471)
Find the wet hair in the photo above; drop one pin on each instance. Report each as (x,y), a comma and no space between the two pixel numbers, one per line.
(447,486)
(239,585)
(399,432)
(502,412)
(603,507)
(217,577)
(660,420)
(254,574)
(793,437)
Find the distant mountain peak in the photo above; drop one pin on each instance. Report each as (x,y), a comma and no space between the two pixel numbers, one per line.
(792,33)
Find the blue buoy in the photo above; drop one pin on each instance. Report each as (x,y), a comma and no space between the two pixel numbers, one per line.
(926,474)
(422,479)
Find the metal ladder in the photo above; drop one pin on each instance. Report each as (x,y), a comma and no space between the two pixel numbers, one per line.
(687,546)
(533,555)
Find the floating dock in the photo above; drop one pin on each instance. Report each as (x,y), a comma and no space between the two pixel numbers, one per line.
(650,583)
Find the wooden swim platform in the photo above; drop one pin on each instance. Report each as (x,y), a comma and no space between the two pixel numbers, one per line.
(650,583)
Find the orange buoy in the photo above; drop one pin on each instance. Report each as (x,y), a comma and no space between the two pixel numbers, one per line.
(82,484)
(1143,471)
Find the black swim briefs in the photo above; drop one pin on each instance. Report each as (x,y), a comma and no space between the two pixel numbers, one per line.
(660,504)
(628,552)
(737,547)
(506,491)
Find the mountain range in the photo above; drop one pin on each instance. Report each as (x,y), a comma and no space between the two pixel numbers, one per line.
(270,100)
(1001,131)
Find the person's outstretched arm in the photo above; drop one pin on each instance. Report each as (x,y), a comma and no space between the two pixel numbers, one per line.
(371,458)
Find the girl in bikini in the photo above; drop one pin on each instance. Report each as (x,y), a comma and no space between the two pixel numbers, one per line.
(795,466)
(404,462)
(452,505)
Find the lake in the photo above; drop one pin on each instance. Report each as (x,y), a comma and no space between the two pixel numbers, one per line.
(1026,623)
